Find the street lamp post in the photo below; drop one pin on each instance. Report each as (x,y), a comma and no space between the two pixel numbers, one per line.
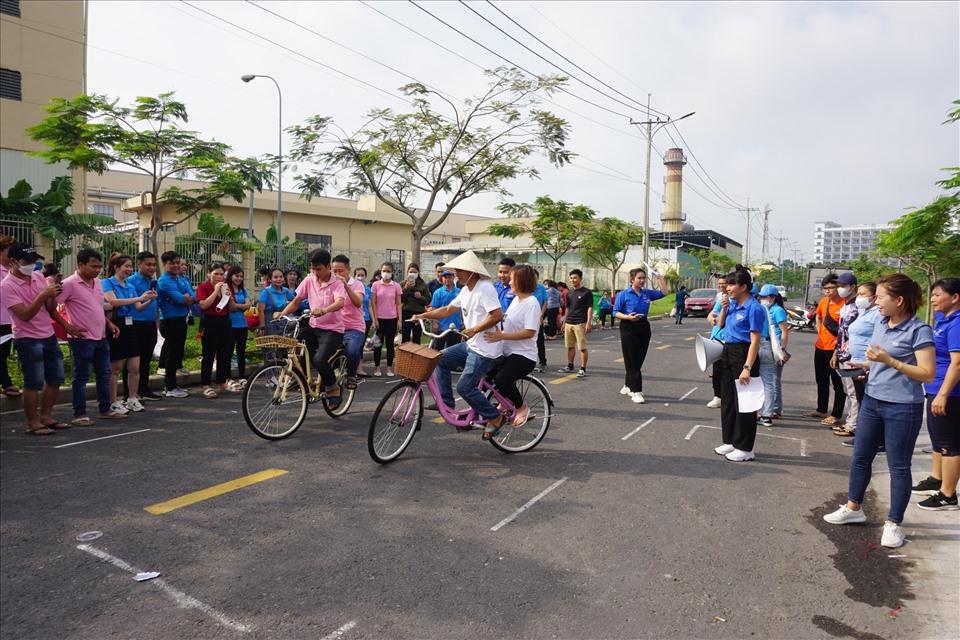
(652,127)
(248,78)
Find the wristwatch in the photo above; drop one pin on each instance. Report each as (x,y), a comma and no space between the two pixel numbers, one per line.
(747,367)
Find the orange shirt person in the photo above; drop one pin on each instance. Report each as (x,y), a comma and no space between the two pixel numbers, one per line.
(828,323)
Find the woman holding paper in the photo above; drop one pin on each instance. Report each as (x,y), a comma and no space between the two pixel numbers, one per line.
(631,308)
(213,296)
(742,320)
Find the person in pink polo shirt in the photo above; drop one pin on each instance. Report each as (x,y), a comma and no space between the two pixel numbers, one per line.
(6,328)
(354,326)
(33,308)
(326,295)
(82,298)
(386,310)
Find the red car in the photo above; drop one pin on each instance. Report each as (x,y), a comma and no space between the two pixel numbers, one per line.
(700,302)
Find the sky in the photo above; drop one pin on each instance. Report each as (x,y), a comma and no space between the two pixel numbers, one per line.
(819,110)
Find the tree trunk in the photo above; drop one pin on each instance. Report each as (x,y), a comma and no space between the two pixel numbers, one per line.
(556,263)
(417,238)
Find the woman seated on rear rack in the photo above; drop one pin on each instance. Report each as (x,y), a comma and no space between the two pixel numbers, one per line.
(519,336)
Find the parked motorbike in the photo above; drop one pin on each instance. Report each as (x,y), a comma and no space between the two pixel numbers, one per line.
(802,318)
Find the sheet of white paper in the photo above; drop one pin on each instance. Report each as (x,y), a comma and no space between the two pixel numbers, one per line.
(3,339)
(159,345)
(750,396)
(146,575)
(224,301)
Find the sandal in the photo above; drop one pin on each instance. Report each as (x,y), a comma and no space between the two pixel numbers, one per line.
(114,415)
(12,392)
(58,426)
(490,430)
(844,433)
(209,393)
(521,416)
(82,421)
(829,421)
(351,382)
(42,431)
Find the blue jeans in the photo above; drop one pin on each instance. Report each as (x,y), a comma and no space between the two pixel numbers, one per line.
(475,367)
(353,345)
(771,374)
(897,424)
(84,354)
(40,361)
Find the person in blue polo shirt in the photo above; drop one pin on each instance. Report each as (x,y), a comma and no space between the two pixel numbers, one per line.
(145,321)
(943,401)
(441,298)
(901,357)
(502,285)
(273,299)
(716,333)
(631,308)
(175,295)
(540,293)
(742,319)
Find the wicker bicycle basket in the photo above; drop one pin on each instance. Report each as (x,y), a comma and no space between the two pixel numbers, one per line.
(276,342)
(416,362)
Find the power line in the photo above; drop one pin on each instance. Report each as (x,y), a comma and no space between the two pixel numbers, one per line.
(642,106)
(550,62)
(694,156)
(511,62)
(295,52)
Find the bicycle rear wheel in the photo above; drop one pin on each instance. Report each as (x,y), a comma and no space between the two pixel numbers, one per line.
(346,395)
(395,422)
(511,439)
(275,401)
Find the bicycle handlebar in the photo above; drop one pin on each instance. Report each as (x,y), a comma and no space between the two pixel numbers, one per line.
(423,326)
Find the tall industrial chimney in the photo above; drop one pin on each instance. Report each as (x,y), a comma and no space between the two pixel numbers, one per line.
(673,216)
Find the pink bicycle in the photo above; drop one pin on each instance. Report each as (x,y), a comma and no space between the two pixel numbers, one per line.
(400,414)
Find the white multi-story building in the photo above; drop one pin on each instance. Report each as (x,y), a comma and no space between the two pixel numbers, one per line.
(834,243)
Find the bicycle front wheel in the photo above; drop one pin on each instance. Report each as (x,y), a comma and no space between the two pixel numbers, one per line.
(395,422)
(275,401)
(346,395)
(511,439)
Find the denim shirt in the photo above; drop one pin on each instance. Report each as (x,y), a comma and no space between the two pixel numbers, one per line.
(901,342)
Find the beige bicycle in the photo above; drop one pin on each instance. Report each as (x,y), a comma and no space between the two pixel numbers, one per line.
(276,398)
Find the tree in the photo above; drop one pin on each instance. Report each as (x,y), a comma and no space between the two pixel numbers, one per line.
(49,212)
(606,241)
(441,157)
(555,227)
(92,132)
(928,239)
(713,262)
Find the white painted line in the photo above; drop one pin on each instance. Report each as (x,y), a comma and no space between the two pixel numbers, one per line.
(339,632)
(182,599)
(532,501)
(803,443)
(638,428)
(684,396)
(116,435)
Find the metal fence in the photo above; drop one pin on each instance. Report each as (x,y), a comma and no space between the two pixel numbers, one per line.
(20,230)
(124,242)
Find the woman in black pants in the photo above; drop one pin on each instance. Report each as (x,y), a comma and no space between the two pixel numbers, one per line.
(519,335)
(213,296)
(385,311)
(742,319)
(414,299)
(632,307)
(240,302)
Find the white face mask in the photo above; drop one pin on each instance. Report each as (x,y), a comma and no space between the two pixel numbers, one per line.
(862,302)
(766,302)
(386,275)
(412,276)
(843,292)
(26,269)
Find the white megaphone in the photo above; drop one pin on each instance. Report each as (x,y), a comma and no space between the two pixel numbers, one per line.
(708,352)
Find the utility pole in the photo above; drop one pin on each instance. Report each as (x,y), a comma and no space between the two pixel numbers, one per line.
(746,248)
(652,126)
(766,231)
(780,240)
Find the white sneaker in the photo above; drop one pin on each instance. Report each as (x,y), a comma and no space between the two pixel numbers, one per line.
(119,407)
(390,373)
(723,449)
(637,397)
(133,404)
(892,535)
(624,390)
(843,515)
(714,404)
(176,393)
(740,456)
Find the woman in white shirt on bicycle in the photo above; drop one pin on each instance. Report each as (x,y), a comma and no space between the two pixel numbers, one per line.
(519,335)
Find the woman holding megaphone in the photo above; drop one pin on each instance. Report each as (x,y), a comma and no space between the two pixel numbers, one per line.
(742,320)
(631,308)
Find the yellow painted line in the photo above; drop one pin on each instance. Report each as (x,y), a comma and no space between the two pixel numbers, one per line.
(663,346)
(439,420)
(619,360)
(690,338)
(564,379)
(212,492)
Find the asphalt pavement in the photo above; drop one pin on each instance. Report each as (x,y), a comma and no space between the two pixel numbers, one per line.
(623,523)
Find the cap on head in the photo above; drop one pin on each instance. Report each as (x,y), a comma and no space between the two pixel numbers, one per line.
(20,251)
(768,290)
(847,279)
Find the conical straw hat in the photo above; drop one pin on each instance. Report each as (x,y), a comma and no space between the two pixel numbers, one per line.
(468,261)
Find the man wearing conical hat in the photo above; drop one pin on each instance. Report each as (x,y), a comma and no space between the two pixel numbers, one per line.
(480,305)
